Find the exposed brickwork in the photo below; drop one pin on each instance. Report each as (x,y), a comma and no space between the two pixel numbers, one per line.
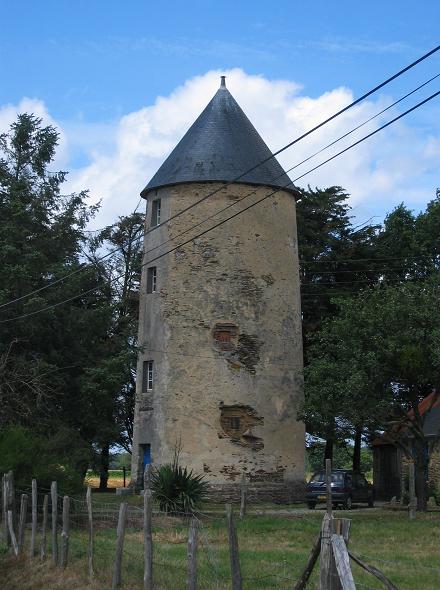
(279,493)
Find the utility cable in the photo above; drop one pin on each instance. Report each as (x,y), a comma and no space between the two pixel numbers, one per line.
(408,258)
(220,223)
(254,191)
(364,123)
(74,272)
(292,168)
(237,178)
(307,133)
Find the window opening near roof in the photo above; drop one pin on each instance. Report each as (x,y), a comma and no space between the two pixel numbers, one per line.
(155,212)
(152,279)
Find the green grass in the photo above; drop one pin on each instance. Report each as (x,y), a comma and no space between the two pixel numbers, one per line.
(273,551)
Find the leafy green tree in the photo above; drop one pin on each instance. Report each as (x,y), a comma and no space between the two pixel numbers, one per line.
(110,384)
(58,456)
(339,260)
(335,260)
(376,360)
(50,339)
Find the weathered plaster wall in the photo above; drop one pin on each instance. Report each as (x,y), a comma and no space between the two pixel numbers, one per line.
(224,331)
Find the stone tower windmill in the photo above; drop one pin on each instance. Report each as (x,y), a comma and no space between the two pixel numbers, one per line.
(220,369)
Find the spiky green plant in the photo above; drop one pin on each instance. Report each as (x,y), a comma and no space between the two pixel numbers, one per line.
(177,489)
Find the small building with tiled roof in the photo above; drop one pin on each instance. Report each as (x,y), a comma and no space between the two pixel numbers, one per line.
(390,470)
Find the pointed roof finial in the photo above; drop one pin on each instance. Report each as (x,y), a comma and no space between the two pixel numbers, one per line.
(221,144)
(223,81)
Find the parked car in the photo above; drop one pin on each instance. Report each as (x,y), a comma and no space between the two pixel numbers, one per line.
(348,488)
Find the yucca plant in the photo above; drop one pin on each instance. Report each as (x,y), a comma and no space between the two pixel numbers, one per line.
(177,489)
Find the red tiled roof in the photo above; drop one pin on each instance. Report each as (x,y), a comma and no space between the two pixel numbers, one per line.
(395,432)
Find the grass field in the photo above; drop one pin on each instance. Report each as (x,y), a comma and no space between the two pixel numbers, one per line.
(273,550)
(115,480)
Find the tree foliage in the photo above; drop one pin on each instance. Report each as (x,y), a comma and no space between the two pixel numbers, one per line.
(66,362)
(376,359)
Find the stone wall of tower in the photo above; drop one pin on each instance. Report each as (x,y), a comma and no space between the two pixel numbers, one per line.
(224,332)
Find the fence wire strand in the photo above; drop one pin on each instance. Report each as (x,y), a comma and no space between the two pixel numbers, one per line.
(170,536)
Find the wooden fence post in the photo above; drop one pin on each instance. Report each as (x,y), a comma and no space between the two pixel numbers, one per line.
(65,532)
(307,571)
(328,577)
(342,562)
(116,582)
(22,521)
(11,532)
(90,519)
(243,493)
(328,485)
(374,571)
(402,482)
(237,583)
(54,501)
(412,492)
(147,477)
(11,496)
(148,540)
(5,509)
(44,527)
(34,519)
(192,555)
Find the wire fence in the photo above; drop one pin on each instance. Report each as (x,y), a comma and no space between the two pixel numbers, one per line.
(267,559)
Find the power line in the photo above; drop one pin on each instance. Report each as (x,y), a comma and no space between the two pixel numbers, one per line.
(365,122)
(311,284)
(291,182)
(307,133)
(198,224)
(111,226)
(418,105)
(289,170)
(370,134)
(237,178)
(71,274)
(358,270)
(407,258)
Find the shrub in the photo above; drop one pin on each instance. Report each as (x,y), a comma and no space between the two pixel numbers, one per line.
(177,489)
(60,457)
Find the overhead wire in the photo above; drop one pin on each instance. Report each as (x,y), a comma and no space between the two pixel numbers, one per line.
(222,222)
(304,135)
(111,252)
(198,224)
(239,177)
(70,274)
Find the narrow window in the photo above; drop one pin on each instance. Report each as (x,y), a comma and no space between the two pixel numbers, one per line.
(155,212)
(225,336)
(148,376)
(234,423)
(151,279)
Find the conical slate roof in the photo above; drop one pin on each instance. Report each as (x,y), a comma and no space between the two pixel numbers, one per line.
(219,146)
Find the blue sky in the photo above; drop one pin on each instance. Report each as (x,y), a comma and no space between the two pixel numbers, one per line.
(89,65)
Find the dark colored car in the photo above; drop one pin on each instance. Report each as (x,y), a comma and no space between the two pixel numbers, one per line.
(348,488)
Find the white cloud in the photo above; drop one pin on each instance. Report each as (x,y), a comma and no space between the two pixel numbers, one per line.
(395,165)
(8,115)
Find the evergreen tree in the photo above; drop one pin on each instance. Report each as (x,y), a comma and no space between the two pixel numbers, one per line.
(44,355)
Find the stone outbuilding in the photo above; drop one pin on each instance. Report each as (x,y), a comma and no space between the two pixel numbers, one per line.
(220,371)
